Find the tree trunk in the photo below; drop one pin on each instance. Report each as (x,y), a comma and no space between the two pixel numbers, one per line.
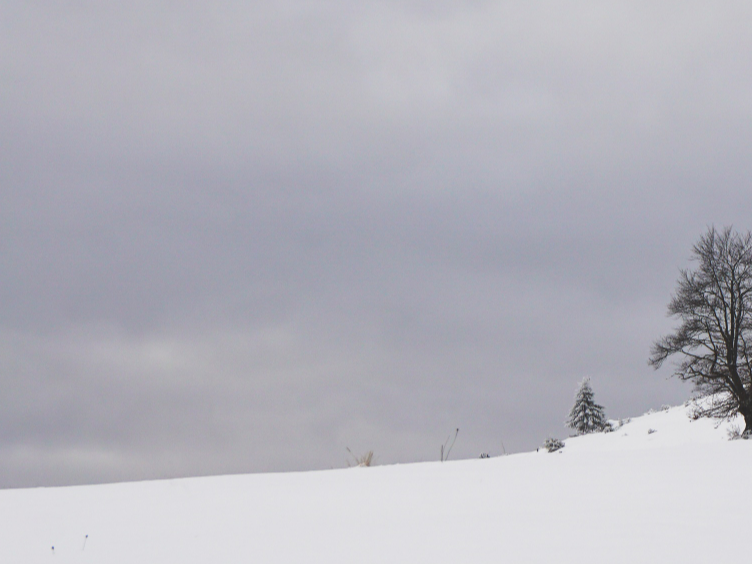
(747,413)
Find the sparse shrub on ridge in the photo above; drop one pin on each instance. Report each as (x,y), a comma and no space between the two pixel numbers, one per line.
(734,432)
(552,444)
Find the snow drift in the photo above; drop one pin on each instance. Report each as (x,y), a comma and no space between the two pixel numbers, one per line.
(661,488)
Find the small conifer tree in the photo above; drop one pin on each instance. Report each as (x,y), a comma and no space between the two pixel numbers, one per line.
(586,415)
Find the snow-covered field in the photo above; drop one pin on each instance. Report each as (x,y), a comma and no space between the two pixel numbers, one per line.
(679,494)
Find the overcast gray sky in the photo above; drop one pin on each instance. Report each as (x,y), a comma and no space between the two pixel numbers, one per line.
(243,236)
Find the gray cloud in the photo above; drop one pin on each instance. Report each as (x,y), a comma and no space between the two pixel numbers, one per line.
(242,237)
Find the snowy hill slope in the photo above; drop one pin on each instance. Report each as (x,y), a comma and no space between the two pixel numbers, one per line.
(679,494)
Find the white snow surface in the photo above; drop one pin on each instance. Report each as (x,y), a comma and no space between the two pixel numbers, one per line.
(679,494)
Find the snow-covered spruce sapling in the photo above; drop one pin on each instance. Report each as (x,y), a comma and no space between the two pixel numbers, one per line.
(586,415)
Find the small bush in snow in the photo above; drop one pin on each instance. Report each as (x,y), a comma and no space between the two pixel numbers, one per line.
(485,455)
(651,431)
(552,445)
(734,432)
(665,407)
(621,422)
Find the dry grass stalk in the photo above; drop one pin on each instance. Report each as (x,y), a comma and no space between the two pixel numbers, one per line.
(364,460)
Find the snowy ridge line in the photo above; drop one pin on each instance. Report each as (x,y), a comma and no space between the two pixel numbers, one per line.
(669,426)
(632,495)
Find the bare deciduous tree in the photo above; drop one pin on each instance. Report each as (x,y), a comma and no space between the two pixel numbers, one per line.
(714,304)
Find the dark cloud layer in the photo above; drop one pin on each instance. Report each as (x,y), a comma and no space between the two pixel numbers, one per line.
(242,237)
